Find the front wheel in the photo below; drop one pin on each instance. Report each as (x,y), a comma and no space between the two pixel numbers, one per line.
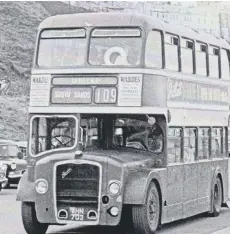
(217,197)
(29,219)
(146,217)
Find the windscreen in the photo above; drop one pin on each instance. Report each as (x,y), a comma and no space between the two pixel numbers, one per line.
(50,133)
(8,151)
(115,47)
(61,48)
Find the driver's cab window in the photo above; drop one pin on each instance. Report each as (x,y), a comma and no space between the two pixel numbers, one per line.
(89,132)
(52,133)
(139,134)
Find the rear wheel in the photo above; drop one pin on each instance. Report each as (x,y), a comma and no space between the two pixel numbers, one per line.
(217,197)
(146,217)
(29,219)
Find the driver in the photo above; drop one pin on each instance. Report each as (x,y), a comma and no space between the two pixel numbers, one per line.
(151,138)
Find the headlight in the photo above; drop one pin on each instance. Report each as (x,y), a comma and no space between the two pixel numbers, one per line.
(114,188)
(13,166)
(41,186)
(4,167)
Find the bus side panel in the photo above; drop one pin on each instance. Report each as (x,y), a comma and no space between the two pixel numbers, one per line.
(137,185)
(190,190)
(26,191)
(204,186)
(174,192)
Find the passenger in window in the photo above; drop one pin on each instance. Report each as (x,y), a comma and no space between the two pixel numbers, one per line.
(215,148)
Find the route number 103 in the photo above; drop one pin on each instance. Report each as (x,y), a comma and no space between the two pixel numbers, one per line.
(105,95)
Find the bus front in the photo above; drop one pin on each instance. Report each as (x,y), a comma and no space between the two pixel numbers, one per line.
(92,110)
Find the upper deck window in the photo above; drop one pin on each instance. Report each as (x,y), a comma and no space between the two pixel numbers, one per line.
(115,47)
(187,56)
(171,52)
(214,54)
(59,48)
(201,59)
(153,51)
(225,64)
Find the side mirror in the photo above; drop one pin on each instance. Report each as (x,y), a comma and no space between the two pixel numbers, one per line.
(82,135)
(20,155)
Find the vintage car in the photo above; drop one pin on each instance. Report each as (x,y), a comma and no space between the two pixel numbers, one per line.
(3,179)
(12,157)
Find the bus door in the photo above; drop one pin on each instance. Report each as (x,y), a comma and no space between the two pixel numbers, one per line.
(175,171)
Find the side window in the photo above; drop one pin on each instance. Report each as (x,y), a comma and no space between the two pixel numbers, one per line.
(217,143)
(214,54)
(187,56)
(224,65)
(190,144)
(203,143)
(228,140)
(171,52)
(153,50)
(224,141)
(201,59)
(174,145)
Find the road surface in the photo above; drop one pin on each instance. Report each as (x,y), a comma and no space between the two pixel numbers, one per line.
(10,221)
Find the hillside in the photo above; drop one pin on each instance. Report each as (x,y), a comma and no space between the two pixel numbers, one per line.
(18,23)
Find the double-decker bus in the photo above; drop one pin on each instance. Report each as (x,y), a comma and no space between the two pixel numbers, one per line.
(128,124)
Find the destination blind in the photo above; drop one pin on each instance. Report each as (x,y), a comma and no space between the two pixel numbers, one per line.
(123,90)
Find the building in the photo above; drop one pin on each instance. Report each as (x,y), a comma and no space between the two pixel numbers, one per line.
(211,17)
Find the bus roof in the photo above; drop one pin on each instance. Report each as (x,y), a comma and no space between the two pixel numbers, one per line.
(127,19)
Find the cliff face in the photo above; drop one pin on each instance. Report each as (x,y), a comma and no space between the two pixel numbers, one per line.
(19,22)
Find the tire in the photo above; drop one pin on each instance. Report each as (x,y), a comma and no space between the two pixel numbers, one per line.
(29,219)
(146,217)
(216,198)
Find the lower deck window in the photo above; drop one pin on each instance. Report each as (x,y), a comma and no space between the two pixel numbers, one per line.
(217,142)
(110,132)
(190,144)
(204,145)
(174,145)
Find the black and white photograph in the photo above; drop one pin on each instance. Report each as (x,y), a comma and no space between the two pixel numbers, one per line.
(114,117)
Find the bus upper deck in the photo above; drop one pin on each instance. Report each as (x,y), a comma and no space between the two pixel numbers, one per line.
(65,69)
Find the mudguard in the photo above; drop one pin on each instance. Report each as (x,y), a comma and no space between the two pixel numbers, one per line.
(137,184)
(26,191)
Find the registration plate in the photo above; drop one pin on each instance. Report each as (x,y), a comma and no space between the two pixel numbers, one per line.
(76,213)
